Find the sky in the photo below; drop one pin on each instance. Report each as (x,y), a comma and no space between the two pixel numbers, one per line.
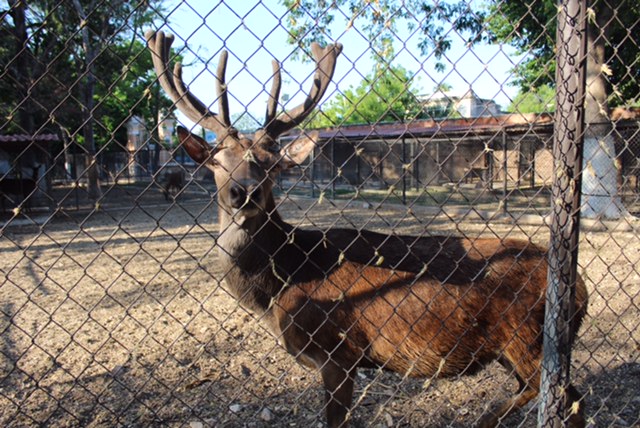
(253,34)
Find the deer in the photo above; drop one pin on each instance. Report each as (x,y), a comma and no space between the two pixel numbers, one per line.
(173,180)
(341,299)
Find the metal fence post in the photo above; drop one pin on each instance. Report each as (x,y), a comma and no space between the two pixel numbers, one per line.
(505,169)
(565,213)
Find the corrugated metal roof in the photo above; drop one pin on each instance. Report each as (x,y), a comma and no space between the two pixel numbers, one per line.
(426,128)
(26,138)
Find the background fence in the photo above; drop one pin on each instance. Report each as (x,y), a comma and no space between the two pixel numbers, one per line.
(439,121)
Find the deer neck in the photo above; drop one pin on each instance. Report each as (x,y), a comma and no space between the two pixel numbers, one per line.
(246,248)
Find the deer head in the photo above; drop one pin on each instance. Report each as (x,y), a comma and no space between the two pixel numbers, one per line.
(243,167)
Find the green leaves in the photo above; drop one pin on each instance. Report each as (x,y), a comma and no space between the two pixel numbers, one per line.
(386,95)
(535,100)
(57,71)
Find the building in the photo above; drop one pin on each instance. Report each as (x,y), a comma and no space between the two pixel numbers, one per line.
(137,137)
(468,105)
(142,148)
(166,129)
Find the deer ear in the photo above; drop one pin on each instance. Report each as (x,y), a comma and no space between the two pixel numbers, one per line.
(298,150)
(197,148)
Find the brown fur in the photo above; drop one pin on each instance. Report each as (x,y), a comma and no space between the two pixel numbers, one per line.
(369,316)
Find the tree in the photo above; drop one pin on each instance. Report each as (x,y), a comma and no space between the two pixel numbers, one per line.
(385,95)
(541,99)
(99,55)
(133,91)
(442,87)
(612,51)
(23,61)
(100,23)
(312,20)
(32,62)
(245,122)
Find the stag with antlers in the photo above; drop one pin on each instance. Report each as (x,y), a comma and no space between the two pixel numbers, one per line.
(340,299)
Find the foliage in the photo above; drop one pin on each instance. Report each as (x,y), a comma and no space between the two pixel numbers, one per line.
(57,66)
(383,96)
(245,122)
(531,30)
(133,90)
(536,100)
(312,20)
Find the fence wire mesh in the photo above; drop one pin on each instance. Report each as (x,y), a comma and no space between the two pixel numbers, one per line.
(390,234)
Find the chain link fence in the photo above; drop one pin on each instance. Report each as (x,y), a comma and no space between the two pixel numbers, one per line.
(140,287)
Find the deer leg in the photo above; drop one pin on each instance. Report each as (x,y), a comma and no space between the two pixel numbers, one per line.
(575,410)
(505,408)
(573,419)
(524,369)
(338,384)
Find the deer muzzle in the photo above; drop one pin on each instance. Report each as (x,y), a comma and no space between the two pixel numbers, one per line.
(245,196)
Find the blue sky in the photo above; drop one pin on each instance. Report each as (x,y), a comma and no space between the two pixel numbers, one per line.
(252,33)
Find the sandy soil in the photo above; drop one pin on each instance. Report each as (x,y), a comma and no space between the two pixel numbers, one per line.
(119,319)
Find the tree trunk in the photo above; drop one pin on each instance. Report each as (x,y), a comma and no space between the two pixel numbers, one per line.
(600,198)
(93,185)
(155,133)
(23,66)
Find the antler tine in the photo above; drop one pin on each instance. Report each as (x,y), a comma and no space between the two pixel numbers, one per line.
(172,83)
(274,96)
(325,59)
(223,100)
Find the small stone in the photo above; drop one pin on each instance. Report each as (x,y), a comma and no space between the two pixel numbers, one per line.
(235,408)
(388,419)
(246,371)
(196,424)
(266,415)
(621,421)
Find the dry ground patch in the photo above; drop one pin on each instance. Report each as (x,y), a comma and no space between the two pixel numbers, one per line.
(119,319)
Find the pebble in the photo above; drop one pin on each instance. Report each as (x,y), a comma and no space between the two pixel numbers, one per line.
(235,408)
(388,419)
(266,415)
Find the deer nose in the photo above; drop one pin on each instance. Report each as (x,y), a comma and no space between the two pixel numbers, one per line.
(239,195)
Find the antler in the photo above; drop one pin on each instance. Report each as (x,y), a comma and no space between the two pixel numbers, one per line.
(325,59)
(274,96)
(174,86)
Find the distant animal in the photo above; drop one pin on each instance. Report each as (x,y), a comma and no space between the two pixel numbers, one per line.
(18,190)
(339,299)
(173,183)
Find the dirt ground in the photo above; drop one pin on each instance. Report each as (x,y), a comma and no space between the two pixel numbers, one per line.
(118,318)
